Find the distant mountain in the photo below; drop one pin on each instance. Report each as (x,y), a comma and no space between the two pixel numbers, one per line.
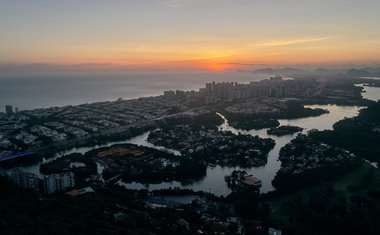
(372,70)
(328,72)
(323,71)
(242,71)
(293,70)
(358,73)
(264,71)
(281,72)
(319,73)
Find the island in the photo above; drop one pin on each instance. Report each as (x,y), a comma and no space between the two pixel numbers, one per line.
(284,130)
(241,181)
(306,161)
(213,146)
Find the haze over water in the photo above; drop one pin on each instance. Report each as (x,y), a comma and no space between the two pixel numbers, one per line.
(27,92)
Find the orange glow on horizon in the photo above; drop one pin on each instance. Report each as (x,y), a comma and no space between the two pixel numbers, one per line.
(206,55)
(217,66)
(210,58)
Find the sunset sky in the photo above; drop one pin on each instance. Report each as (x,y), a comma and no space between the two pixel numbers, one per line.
(192,34)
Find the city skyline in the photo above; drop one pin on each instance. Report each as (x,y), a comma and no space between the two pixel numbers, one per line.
(213,35)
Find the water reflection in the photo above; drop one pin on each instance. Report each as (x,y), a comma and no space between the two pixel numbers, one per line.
(369,92)
(325,121)
(214,179)
(139,140)
(142,140)
(36,168)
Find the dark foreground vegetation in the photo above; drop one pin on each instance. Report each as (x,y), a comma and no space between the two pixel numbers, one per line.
(22,212)
(348,203)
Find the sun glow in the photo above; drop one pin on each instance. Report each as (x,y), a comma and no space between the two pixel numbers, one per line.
(217,66)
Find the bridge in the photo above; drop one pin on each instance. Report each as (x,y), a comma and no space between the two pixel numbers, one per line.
(15,156)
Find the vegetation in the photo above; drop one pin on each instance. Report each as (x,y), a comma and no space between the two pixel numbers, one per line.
(49,151)
(269,120)
(216,147)
(187,170)
(68,163)
(235,182)
(297,110)
(351,94)
(26,160)
(64,164)
(248,122)
(290,182)
(284,130)
(306,161)
(207,121)
(348,204)
(360,134)
(146,165)
(331,199)
(22,212)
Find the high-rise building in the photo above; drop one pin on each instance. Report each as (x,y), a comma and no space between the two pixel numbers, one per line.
(58,182)
(48,185)
(26,180)
(273,87)
(8,109)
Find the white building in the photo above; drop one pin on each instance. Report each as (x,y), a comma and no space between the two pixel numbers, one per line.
(26,180)
(58,182)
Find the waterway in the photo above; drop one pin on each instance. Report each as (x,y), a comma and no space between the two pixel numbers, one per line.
(370,92)
(139,140)
(213,181)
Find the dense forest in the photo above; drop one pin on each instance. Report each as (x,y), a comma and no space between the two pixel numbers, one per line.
(269,120)
(360,134)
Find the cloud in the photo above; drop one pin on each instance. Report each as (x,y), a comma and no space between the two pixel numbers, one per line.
(85,65)
(243,64)
(274,43)
(179,3)
(11,68)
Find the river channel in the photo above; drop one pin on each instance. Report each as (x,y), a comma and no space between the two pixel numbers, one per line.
(213,181)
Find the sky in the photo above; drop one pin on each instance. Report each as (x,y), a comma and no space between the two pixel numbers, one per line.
(186,34)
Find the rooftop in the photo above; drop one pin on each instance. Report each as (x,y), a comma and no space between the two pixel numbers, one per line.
(250,180)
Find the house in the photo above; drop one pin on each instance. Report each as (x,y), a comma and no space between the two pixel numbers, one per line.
(252,181)
(75,192)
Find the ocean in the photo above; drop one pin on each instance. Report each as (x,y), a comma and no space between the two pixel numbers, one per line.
(30,92)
